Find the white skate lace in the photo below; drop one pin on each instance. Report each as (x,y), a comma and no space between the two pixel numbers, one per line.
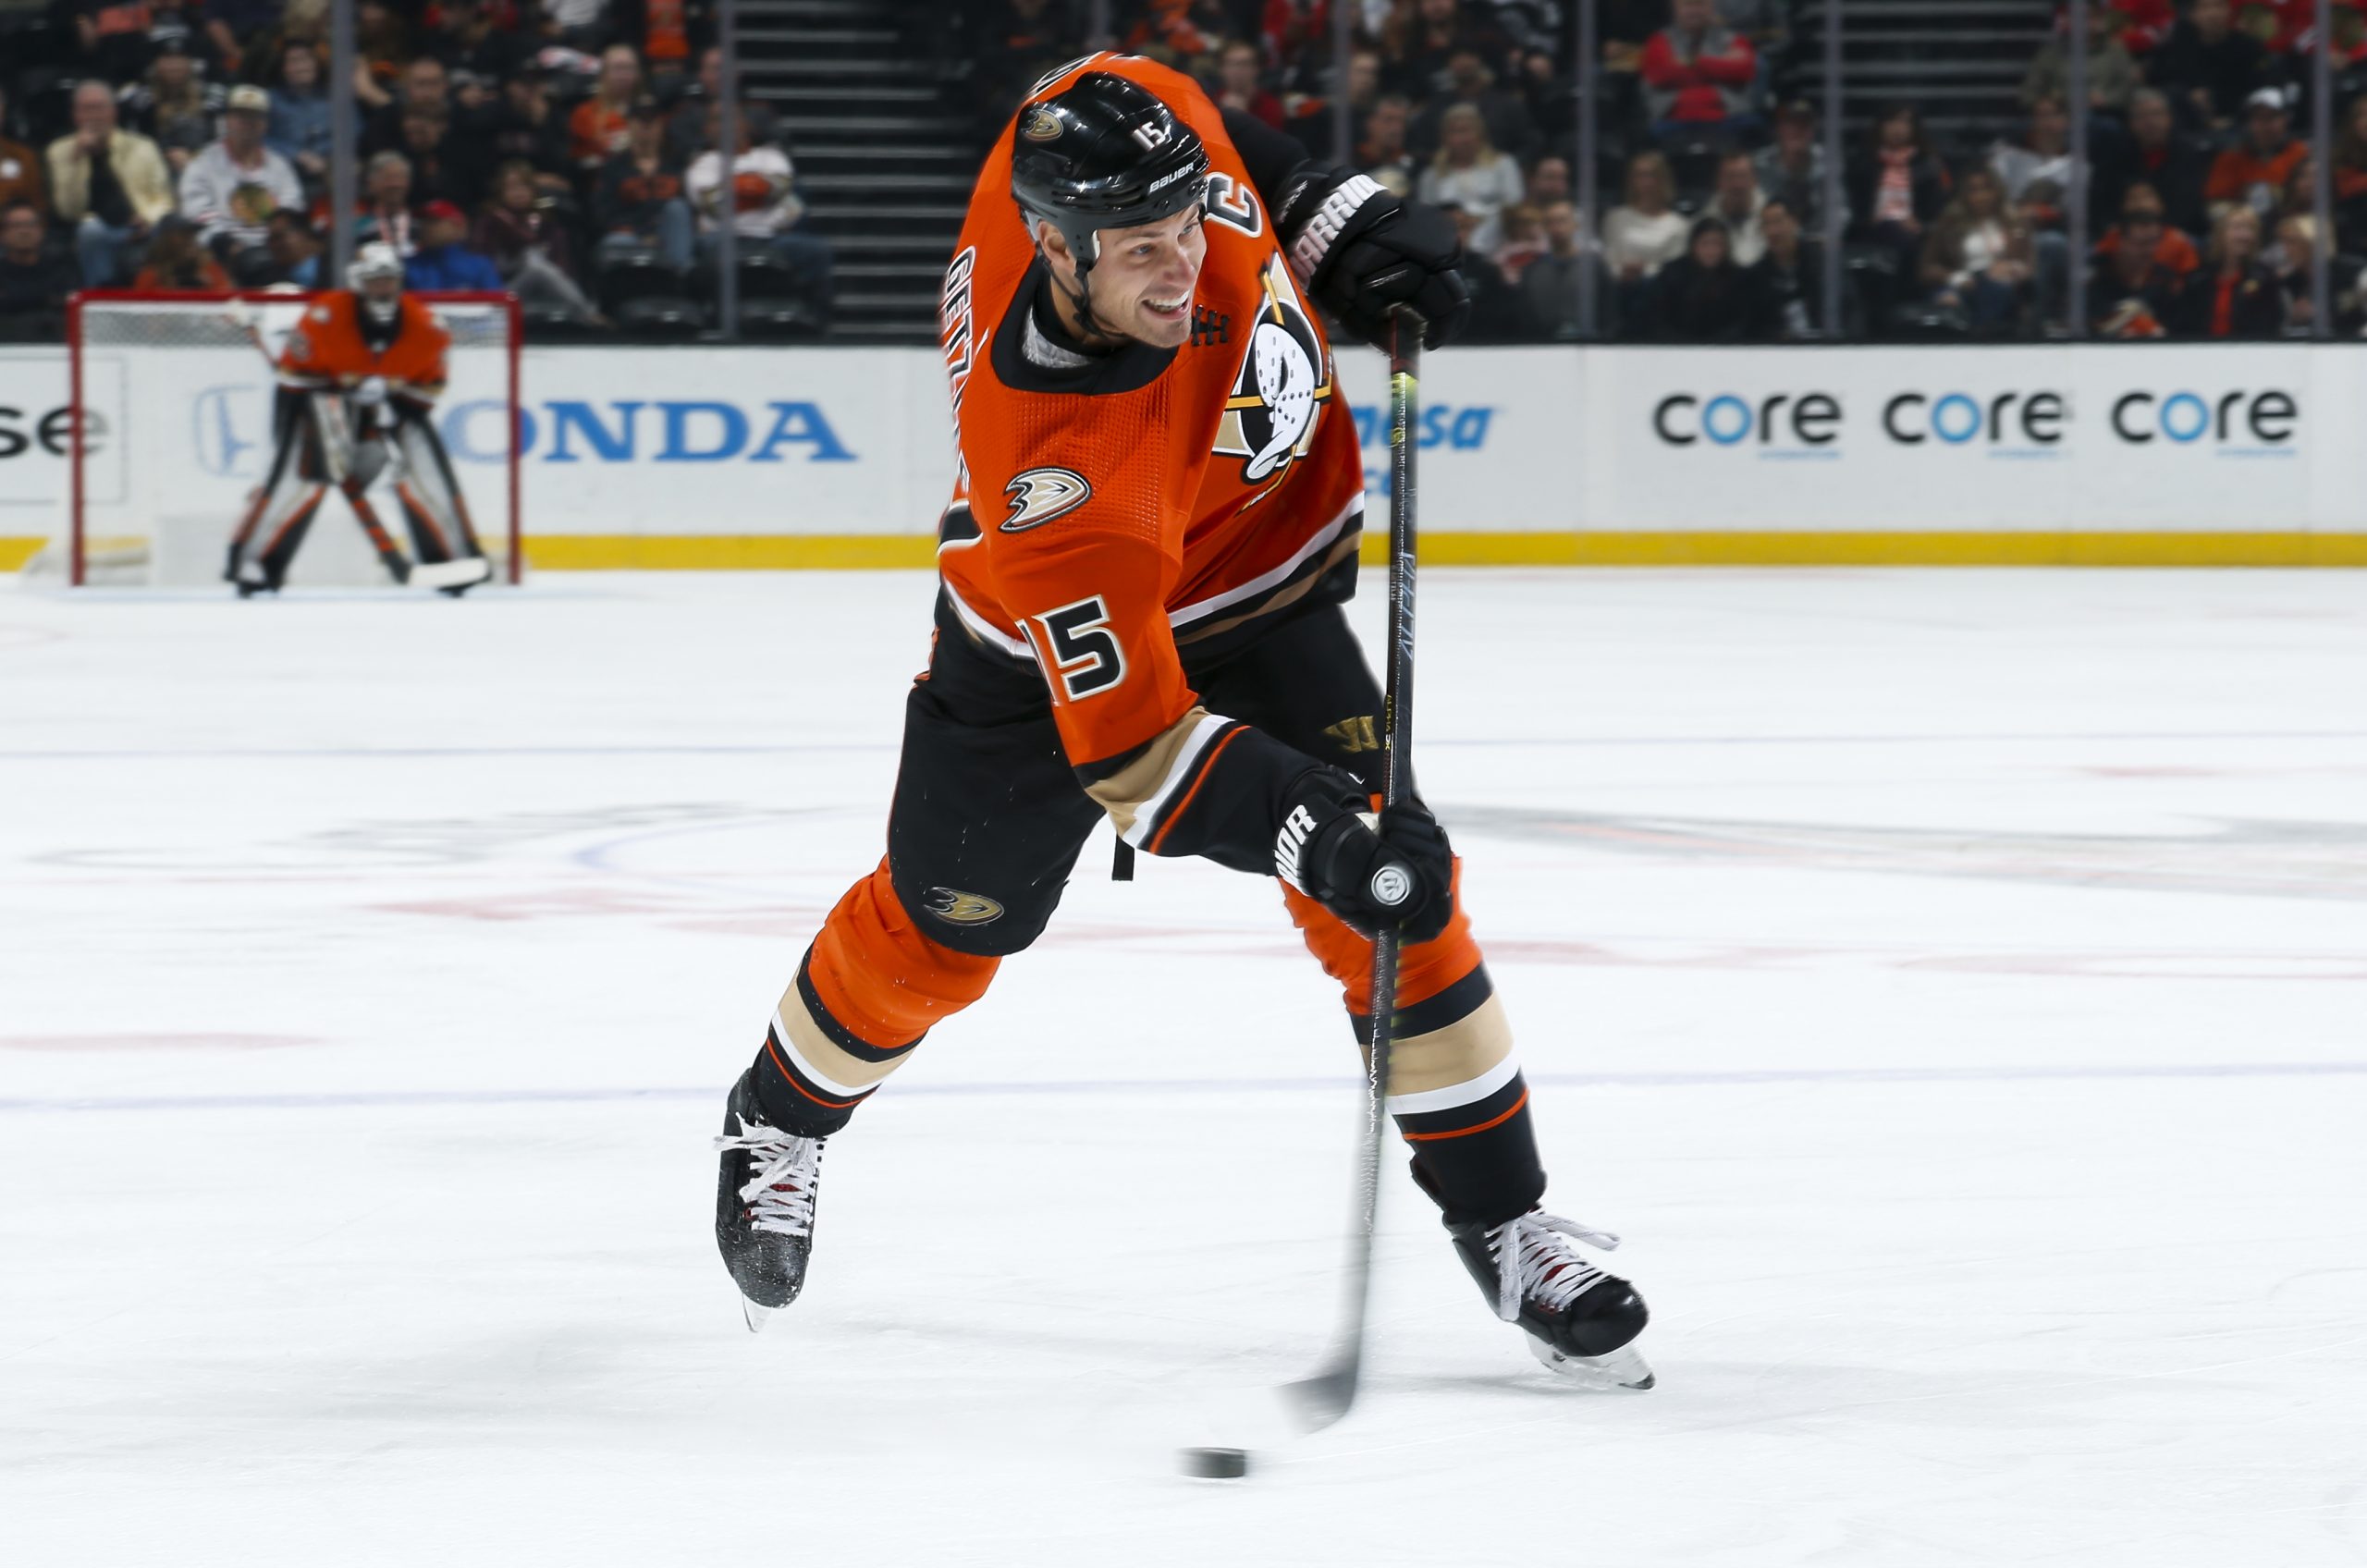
(1544,1269)
(782,1171)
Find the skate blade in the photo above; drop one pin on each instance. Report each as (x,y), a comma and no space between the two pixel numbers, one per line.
(757,1317)
(1625,1370)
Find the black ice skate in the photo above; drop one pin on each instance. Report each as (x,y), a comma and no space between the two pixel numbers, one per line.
(764,1205)
(1581,1322)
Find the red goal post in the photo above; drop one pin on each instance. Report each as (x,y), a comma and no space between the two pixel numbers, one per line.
(171,428)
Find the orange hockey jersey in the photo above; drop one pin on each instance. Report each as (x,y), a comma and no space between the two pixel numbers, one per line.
(327,349)
(1104,519)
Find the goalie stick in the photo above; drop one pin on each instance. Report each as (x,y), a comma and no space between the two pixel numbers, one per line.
(1328,1395)
(337,447)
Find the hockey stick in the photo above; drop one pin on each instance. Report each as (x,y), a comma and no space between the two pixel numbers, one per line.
(1332,1391)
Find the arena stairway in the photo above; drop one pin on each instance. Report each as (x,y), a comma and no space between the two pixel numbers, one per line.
(884,157)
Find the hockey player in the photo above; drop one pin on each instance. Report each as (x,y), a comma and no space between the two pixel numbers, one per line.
(359,374)
(1152,532)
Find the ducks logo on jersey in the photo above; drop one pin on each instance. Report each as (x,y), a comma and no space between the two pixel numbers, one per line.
(1284,381)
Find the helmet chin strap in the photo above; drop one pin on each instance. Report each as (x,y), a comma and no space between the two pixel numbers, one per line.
(1082,298)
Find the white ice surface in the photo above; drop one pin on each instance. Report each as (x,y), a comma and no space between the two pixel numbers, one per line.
(1954,985)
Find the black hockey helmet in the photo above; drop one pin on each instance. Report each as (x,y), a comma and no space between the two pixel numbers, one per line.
(1104,153)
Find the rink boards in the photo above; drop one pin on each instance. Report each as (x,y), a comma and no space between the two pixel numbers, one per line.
(767,458)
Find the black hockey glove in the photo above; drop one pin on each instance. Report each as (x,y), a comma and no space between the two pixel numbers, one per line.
(1398,871)
(1361,251)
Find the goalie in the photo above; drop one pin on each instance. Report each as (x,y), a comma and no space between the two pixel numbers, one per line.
(357,379)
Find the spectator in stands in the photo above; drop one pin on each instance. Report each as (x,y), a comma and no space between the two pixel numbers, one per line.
(1383,154)
(1623,27)
(115,37)
(2111,69)
(1019,41)
(1977,257)
(580,23)
(2276,23)
(2135,291)
(1550,283)
(177,264)
(1791,167)
(517,232)
(231,189)
(1546,95)
(2209,67)
(443,260)
(1496,313)
(2144,206)
(1522,242)
(1312,125)
(111,184)
(381,48)
(1548,181)
(2144,24)
(173,24)
(1785,285)
(301,117)
(1189,30)
(1699,297)
(2154,155)
(423,89)
(1470,173)
(527,129)
(444,163)
(175,107)
(1417,49)
(295,251)
(2237,295)
(34,282)
(691,129)
(2350,179)
(1898,188)
(1646,231)
(1240,84)
(761,204)
(1509,127)
(2291,259)
(2044,152)
(386,204)
(1735,202)
(21,176)
(1700,77)
(466,41)
(2255,170)
(640,198)
(597,130)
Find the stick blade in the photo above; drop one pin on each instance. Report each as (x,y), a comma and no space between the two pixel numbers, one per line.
(1323,1399)
(466,572)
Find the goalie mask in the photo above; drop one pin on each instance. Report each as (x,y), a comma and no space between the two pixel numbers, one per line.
(375,276)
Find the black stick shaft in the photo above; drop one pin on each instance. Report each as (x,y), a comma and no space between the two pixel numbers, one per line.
(1327,1395)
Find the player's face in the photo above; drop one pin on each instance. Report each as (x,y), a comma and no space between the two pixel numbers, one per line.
(1142,286)
(382,291)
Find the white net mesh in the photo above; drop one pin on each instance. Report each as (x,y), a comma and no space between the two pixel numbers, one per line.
(176,406)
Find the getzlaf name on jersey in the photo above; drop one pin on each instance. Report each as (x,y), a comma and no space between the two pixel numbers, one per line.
(1142,570)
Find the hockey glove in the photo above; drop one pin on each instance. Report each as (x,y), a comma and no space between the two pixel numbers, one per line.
(1361,251)
(1395,870)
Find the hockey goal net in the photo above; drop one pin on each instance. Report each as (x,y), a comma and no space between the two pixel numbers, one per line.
(172,397)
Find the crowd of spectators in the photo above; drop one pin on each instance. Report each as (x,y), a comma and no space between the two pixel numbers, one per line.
(2199,196)
(549,150)
(553,148)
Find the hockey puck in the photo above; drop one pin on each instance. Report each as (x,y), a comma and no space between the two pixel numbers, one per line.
(1216,1464)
